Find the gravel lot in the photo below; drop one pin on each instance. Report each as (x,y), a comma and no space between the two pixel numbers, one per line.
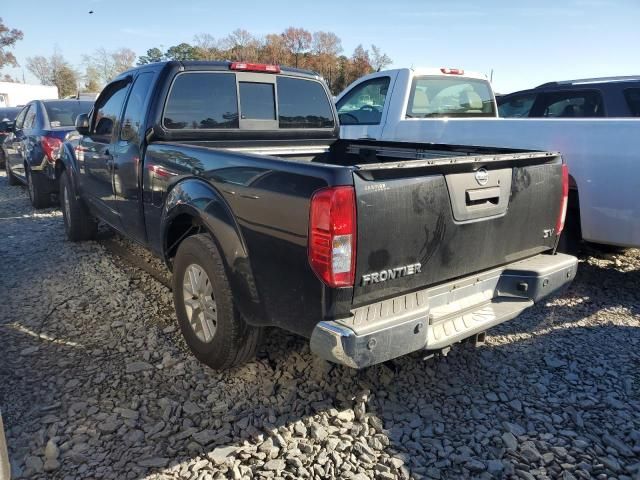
(97,382)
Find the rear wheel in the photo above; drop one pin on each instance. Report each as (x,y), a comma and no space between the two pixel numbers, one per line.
(210,323)
(38,191)
(79,224)
(11,178)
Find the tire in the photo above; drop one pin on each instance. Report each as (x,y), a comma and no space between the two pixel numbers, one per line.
(38,190)
(11,178)
(231,341)
(79,224)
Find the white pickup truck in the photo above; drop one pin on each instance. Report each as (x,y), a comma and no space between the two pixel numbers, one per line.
(450,106)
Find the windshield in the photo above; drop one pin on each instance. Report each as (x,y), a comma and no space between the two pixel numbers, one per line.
(450,97)
(63,113)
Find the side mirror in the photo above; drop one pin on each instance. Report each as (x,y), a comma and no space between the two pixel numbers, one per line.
(82,124)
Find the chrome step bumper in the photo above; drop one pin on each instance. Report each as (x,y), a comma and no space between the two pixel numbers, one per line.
(440,316)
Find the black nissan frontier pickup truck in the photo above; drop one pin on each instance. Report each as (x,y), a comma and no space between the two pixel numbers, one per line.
(234,174)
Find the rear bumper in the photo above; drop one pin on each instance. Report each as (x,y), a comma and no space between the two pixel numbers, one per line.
(440,316)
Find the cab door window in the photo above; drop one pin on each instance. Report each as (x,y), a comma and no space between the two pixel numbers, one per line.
(136,104)
(106,117)
(516,107)
(363,105)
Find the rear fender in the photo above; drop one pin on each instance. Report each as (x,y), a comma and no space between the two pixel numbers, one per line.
(210,211)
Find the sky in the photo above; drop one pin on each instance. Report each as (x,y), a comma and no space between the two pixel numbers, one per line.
(524,43)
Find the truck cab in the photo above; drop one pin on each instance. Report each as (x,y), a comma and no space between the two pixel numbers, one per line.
(371,103)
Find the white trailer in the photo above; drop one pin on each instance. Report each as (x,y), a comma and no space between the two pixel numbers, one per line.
(17,94)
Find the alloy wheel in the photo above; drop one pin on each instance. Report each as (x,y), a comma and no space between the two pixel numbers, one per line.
(199,303)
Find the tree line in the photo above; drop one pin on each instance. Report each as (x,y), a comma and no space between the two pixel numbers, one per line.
(319,51)
(296,47)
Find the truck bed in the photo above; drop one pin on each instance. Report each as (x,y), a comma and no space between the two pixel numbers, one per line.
(416,203)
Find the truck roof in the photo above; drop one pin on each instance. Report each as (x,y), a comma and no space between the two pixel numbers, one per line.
(213,65)
(621,78)
(438,71)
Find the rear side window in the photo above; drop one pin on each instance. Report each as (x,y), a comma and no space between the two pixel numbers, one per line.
(572,104)
(516,107)
(632,95)
(20,117)
(202,100)
(303,104)
(450,97)
(30,118)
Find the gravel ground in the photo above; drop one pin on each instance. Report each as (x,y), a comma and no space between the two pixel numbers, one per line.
(97,382)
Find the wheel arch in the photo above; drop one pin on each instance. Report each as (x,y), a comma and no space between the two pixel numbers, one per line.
(193,206)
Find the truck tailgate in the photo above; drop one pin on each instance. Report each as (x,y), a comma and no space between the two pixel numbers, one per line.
(423,222)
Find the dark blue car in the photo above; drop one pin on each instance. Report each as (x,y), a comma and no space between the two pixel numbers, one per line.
(33,148)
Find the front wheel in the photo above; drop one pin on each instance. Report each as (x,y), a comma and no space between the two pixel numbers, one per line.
(79,224)
(210,323)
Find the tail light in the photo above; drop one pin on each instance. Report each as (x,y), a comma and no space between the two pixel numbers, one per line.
(565,200)
(332,235)
(51,146)
(452,71)
(255,67)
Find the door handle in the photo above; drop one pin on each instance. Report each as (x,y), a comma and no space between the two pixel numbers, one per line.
(483,195)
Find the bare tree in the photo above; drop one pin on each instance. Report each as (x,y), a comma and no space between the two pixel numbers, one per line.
(108,64)
(123,59)
(297,40)
(40,67)
(8,39)
(360,64)
(326,43)
(242,45)
(54,70)
(91,80)
(207,47)
(379,60)
(275,50)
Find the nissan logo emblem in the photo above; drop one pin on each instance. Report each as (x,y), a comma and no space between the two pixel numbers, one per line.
(482,176)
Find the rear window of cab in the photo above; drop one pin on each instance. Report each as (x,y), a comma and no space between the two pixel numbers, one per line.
(450,97)
(221,100)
